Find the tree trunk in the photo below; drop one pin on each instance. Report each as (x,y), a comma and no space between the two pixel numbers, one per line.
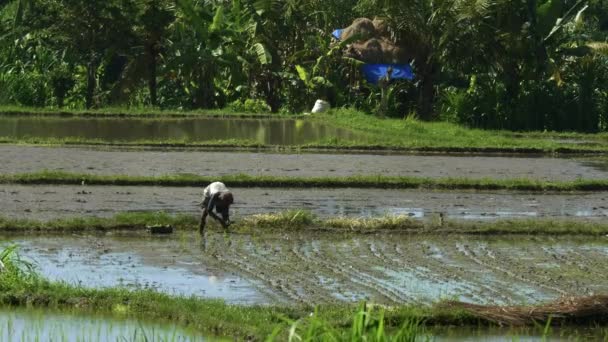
(270,89)
(204,95)
(426,97)
(152,86)
(91,82)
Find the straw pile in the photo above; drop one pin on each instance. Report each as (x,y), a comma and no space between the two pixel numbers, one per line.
(593,309)
(374,44)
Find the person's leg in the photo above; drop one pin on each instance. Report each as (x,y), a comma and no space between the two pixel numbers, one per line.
(201,227)
(214,202)
(205,207)
(222,207)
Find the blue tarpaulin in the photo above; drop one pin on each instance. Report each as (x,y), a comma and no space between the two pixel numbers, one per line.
(374,72)
(337,34)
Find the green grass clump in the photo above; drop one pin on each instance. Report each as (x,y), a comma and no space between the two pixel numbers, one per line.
(371,181)
(367,325)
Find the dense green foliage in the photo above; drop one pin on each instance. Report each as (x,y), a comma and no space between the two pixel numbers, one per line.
(533,65)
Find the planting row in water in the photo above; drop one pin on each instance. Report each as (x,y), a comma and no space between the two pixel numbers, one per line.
(303,220)
(372,181)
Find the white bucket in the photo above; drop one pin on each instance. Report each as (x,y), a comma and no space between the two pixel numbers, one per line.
(321,107)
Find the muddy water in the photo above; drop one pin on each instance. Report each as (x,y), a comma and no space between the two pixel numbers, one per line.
(325,268)
(265,131)
(21,159)
(47,202)
(170,265)
(33,325)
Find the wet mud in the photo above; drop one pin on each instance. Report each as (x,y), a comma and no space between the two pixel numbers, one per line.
(331,268)
(42,202)
(24,159)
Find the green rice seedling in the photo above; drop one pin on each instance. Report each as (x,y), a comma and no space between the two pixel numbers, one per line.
(546,330)
(291,219)
(14,268)
(368,224)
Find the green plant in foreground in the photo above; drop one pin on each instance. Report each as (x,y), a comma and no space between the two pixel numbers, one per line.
(367,325)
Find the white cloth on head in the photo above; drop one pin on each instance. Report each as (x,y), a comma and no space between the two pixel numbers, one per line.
(214,188)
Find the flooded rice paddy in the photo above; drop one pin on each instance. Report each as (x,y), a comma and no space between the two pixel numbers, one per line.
(17,325)
(25,159)
(264,131)
(326,268)
(44,202)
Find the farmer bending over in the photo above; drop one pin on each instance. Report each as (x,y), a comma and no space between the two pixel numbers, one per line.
(217,196)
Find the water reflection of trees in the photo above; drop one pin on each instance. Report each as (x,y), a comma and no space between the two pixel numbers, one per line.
(265,131)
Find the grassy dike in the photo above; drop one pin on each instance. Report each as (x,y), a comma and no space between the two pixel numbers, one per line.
(304,221)
(244,181)
(375,134)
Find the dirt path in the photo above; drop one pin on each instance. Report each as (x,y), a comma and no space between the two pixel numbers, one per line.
(325,267)
(47,202)
(21,159)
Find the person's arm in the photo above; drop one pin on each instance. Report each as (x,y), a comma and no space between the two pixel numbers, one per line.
(218,219)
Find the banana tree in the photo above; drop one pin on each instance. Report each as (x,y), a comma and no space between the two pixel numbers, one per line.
(201,45)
